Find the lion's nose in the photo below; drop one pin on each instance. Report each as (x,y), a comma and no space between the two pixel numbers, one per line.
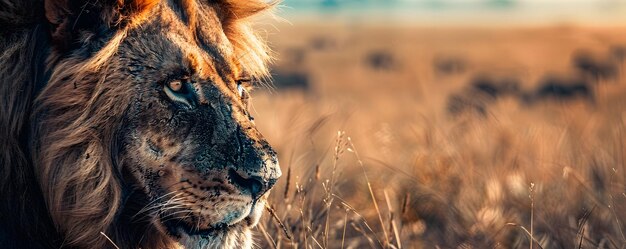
(256,183)
(251,184)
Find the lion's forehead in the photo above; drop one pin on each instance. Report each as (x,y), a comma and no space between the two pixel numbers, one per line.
(172,40)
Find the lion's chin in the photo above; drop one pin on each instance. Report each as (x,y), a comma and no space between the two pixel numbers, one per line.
(235,235)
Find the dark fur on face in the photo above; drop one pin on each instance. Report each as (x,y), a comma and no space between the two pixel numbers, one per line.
(128,118)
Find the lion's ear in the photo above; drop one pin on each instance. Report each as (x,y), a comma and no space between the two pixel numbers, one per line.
(75,22)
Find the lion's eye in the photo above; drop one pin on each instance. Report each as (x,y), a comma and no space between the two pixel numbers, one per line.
(176,85)
(240,89)
(180,91)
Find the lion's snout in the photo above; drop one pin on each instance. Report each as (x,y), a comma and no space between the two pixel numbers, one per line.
(257,177)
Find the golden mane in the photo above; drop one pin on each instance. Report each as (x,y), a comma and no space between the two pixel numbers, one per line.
(75,116)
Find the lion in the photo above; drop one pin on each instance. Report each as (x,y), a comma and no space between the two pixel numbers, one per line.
(125,124)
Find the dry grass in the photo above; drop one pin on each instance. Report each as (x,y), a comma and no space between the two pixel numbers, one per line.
(405,173)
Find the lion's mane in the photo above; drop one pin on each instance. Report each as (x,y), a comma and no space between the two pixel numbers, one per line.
(59,181)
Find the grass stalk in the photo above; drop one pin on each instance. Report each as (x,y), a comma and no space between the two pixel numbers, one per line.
(352,149)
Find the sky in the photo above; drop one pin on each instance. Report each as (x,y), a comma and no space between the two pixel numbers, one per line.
(452,12)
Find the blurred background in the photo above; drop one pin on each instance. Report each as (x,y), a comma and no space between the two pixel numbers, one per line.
(446,124)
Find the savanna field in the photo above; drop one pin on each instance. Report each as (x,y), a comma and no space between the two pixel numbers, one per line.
(446,137)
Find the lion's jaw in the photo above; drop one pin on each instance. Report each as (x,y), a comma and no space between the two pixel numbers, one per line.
(226,225)
(237,235)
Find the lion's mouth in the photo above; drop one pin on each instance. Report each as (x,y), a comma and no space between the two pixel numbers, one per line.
(179,227)
(207,232)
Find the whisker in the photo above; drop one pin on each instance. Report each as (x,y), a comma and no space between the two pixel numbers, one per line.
(155,200)
(174,207)
(149,207)
(171,215)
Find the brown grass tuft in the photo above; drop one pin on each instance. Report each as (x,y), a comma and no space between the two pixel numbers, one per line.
(424,178)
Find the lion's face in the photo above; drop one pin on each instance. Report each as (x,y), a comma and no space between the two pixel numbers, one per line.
(188,140)
(170,109)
